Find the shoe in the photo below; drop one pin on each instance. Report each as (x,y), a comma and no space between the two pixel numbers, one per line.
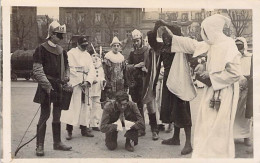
(155,135)
(86,132)
(129,147)
(40,140)
(58,145)
(61,146)
(40,150)
(69,136)
(186,150)
(95,129)
(141,133)
(170,128)
(161,127)
(171,141)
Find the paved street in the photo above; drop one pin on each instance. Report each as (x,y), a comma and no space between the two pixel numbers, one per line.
(23,110)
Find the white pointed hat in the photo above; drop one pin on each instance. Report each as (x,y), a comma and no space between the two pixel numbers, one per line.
(115,41)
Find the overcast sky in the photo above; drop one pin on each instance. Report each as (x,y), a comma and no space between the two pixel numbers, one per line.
(52,12)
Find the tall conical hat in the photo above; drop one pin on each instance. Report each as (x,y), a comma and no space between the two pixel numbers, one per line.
(115,41)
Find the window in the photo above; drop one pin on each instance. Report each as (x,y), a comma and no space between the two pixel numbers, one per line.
(128,18)
(68,18)
(97,18)
(128,33)
(184,17)
(174,16)
(115,33)
(197,16)
(98,36)
(115,17)
(81,17)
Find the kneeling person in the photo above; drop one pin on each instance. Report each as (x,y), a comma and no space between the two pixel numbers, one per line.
(123,110)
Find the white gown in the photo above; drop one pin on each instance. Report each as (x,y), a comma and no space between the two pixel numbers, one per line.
(79,112)
(213,135)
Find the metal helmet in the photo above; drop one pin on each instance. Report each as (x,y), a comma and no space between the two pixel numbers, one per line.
(136,34)
(55,27)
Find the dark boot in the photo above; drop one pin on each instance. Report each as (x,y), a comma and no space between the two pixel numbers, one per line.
(187,148)
(86,131)
(175,140)
(40,139)
(128,145)
(154,127)
(69,129)
(58,145)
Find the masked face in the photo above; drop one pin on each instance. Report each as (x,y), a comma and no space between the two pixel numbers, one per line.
(240,46)
(137,43)
(83,47)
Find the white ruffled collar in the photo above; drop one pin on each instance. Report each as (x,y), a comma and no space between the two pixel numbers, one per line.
(115,58)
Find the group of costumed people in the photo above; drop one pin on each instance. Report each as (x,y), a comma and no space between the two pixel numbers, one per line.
(100,88)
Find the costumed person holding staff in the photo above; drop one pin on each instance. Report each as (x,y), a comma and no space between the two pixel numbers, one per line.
(130,120)
(51,71)
(114,66)
(98,85)
(82,75)
(141,70)
(173,109)
(213,135)
(242,125)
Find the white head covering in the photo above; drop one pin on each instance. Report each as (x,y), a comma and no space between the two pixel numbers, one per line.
(246,58)
(246,53)
(136,34)
(115,41)
(221,49)
(212,28)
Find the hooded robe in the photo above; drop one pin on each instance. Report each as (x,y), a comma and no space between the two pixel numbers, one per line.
(213,135)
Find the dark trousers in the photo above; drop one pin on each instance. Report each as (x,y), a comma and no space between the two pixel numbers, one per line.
(46,111)
(69,127)
(111,138)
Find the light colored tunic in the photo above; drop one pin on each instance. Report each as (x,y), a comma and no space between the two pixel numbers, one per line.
(242,126)
(79,112)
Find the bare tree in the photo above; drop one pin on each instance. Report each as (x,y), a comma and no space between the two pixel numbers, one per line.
(43,26)
(110,20)
(22,27)
(239,19)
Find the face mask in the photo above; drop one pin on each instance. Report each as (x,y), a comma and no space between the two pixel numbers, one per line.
(59,35)
(83,47)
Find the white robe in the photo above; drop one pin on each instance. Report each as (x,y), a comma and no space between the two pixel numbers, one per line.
(96,111)
(79,112)
(242,125)
(213,135)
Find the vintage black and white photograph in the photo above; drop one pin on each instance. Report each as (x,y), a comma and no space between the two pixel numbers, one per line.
(131,82)
(1,93)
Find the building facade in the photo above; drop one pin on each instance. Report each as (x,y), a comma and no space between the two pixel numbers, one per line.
(101,24)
